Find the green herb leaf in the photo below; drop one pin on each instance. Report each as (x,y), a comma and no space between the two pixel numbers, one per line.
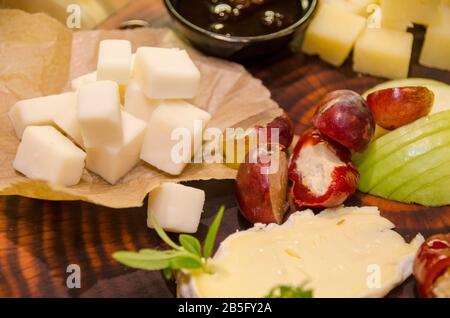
(208,244)
(283,291)
(186,261)
(142,261)
(163,234)
(187,256)
(190,244)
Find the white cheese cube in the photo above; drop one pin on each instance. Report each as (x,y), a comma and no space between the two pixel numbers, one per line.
(98,112)
(166,73)
(113,162)
(38,111)
(114,61)
(176,208)
(67,121)
(436,47)
(46,154)
(137,104)
(332,33)
(83,79)
(160,148)
(383,52)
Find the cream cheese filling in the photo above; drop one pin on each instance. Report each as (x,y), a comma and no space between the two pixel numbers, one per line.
(316,164)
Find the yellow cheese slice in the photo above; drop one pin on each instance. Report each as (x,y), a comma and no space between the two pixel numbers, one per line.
(342,252)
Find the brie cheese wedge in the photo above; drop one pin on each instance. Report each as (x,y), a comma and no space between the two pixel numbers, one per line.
(341,252)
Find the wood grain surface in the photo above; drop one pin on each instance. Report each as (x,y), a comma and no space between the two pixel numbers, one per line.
(39,239)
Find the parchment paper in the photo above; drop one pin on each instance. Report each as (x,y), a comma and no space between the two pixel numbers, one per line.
(39,56)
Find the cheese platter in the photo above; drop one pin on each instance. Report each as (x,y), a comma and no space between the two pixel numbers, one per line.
(358,195)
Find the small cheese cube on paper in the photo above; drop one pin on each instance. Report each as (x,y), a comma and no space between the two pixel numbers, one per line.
(436,47)
(166,73)
(83,79)
(332,33)
(39,110)
(113,162)
(137,104)
(114,61)
(176,208)
(383,52)
(169,122)
(67,121)
(98,112)
(46,154)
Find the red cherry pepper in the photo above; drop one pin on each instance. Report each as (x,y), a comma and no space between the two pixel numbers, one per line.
(432,261)
(344,177)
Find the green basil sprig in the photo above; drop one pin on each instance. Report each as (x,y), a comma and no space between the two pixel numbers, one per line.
(188,254)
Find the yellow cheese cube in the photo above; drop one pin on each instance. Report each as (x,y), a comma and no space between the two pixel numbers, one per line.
(424,12)
(332,34)
(354,6)
(444,14)
(395,24)
(436,47)
(383,52)
(394,15)
(417,11)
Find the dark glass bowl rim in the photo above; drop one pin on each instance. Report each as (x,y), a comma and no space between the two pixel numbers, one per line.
(243,39)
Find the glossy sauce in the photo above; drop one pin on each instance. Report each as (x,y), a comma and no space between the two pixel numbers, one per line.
(241,17)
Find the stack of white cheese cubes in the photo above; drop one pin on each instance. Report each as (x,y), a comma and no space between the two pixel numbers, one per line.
(61,134)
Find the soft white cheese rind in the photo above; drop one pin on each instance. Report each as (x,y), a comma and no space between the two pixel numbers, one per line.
(343,252)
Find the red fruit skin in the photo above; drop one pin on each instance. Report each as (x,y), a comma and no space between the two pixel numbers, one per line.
(432,260)
(286,130)
(396,107)
(344,178)
(262,197)
(344,116)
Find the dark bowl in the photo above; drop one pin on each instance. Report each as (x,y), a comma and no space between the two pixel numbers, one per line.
(239,47)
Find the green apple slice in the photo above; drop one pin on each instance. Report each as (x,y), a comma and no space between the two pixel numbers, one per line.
(415,170)
(385,145)
(406,154)
(433,194)
(423,179)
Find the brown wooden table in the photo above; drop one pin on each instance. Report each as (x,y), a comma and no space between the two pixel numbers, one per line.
(39,239)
